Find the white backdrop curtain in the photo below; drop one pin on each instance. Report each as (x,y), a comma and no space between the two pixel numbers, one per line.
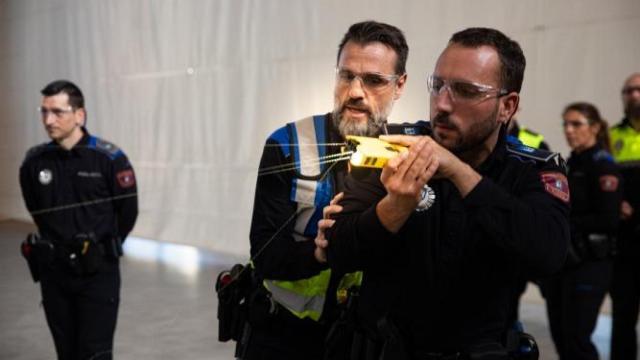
(191,88)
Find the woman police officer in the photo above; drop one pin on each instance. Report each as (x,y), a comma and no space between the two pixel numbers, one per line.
(575,295)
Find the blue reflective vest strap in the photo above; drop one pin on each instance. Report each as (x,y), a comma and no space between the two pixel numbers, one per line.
(308,137)
(304,298)
(306,157)
(625,145)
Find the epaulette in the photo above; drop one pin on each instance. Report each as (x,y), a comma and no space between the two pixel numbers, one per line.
(524,153)
(105,147)
(603,155)
(518,149)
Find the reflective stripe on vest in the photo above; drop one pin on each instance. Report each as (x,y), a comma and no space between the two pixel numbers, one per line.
(309,136)
(305,298)
(529,139)
(625,145)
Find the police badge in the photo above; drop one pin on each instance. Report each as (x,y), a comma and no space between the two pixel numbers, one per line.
(428,197)
(45,176)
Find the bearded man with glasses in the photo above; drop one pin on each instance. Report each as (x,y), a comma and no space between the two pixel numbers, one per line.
(438,279)
(294,302)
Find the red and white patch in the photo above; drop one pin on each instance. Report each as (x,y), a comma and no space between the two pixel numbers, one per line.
(608,183)
(556,184)
(126,178)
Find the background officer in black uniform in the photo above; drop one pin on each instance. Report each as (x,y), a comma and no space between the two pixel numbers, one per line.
(437,281)
(81,193)
(575,295)
(625,287)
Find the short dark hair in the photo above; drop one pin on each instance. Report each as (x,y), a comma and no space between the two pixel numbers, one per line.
(370,31)
(592,114)
(512,58)
(76,99)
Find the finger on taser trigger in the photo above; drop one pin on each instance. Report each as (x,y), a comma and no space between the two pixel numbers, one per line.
(394,163)
(420,157)
(429,171)
(409,159)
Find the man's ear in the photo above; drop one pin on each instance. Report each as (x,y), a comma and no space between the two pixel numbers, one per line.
(402,80)
(508,107)
(80,115)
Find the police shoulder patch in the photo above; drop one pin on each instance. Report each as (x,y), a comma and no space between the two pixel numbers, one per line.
(126,178)
(608,183)
(556,184)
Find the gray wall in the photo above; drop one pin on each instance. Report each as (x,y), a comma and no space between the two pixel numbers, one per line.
(191,88)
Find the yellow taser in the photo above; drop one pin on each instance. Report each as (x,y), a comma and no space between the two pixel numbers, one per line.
(371,152)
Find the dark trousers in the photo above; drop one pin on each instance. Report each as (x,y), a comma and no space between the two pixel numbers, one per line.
(283,336)
(513,313)
(573,301)
(81,310)
(625,296)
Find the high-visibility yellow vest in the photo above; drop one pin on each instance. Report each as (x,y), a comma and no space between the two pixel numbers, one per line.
(625,145)
(530,138)
(305,298)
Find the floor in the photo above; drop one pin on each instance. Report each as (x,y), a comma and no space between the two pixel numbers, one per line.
(168,306)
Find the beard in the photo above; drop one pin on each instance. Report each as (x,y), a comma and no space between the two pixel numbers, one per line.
(476,135)
(632,109)
(372,127)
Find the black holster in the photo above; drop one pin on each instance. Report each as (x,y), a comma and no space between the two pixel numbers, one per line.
(37,252)
(84,256)
(234,289)
(387,344)
(345,338)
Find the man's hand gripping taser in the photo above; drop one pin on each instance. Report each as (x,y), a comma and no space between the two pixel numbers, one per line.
(371,152)
(374,153)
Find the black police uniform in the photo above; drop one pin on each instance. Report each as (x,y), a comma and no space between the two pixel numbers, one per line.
(575,295)
(442,284)
(276,333)
(625,286)
(87,192)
